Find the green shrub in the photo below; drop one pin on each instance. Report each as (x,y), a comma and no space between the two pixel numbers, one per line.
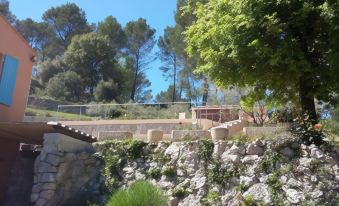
(179,192)
(134,149)
(154,173)
(206,150)
(140,193)
(169,171)
(309,133)
(220,175)
(250,201)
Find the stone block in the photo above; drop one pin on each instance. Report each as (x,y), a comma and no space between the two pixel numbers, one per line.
(44,167)
(190,134)
(48,186)
(219,133)
(40,202)
(47,177)
(53,159)
(154,135)
(47,194)
(114,135)
(34,197)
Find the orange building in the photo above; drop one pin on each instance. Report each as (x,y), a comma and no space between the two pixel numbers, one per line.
(16,62)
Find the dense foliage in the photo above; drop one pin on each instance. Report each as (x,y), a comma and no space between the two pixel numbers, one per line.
(287,47)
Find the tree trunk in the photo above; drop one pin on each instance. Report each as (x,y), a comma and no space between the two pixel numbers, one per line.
(205,94)
(307,99)
(134,86)
(174,79)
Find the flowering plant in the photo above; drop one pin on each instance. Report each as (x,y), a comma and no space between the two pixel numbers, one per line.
(310,133)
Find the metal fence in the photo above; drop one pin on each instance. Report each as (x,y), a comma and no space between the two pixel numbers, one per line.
(166,110)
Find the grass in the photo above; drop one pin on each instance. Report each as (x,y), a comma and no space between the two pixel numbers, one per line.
(140,193)
(49,113)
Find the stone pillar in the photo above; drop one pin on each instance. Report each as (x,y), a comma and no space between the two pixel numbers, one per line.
(219,133)
(63,170)
(154,135)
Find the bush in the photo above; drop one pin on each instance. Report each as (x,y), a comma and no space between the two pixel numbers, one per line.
(140,193)
(309,133)
(169,171)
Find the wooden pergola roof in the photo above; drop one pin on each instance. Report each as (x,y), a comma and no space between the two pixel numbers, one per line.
(32,133)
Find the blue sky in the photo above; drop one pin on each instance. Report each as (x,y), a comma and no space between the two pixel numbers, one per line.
(158,13)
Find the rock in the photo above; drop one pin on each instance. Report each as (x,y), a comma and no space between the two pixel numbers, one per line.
(253,149)
(294,183)
(47,177)
(48,186)
(64,172)
(173,151)
(294,197)
(230,158)
(248,181)
(190,200)
(259,143)
(317,194)
(34,197)
(189,161)
(44,167)
(283,179)
(288,152)
(36,188)
(47,194)
(249,159)
(229,195)
(40,202)
(69,157)
(53,159)
(90,161)
(173,201)
(219,148)
(236,150)
(316,153)
(83,156)
(306,162)
(314,179)
(263,179)
(198,181)
(139,175)
(260,192)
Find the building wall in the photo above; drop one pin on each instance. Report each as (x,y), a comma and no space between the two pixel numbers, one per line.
(8,152)
(11,43)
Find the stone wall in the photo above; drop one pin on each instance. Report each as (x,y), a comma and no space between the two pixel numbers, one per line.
(193,173)
(136,129)
(65,172)
(262,131)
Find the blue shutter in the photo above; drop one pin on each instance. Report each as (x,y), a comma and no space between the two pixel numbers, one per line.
(7,79)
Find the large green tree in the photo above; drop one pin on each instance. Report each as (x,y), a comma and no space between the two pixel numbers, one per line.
(171,61)
(289,48)
(66,21)
(140,42)
(4,10)
(91,56)
(39,35)
(66,86)
(111,28)
(49,68)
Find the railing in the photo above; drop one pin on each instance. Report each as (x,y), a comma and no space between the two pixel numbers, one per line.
(166,110)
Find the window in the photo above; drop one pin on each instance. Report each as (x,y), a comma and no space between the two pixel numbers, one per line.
(10,66)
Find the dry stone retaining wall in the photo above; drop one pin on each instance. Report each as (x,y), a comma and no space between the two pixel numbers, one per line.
(198,172)
(64,171)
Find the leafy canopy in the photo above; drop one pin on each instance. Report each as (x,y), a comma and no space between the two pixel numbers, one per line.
(286,47)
